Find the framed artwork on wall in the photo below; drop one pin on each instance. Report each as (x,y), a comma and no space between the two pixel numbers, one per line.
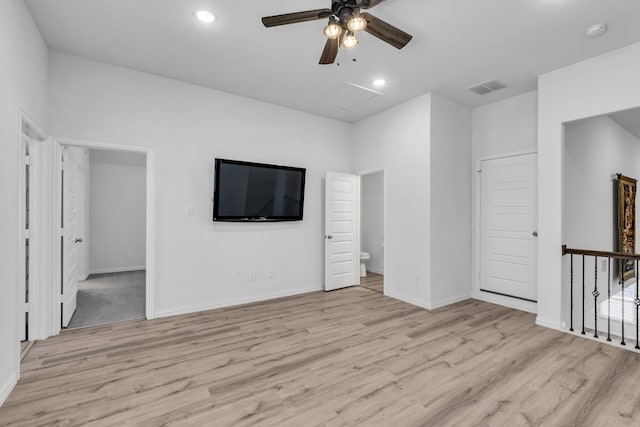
(627,223)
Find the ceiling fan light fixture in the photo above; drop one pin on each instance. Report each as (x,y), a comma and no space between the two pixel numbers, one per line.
(350,40)
(357,23)
(333,30)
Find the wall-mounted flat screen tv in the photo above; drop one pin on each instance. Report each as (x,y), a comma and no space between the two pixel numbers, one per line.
(246,191)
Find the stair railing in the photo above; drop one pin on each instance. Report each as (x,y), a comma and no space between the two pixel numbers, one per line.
(622,259)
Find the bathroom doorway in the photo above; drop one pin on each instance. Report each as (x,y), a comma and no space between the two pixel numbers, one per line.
(372,230)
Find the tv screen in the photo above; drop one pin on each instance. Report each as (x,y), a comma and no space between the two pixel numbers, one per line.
(246,191)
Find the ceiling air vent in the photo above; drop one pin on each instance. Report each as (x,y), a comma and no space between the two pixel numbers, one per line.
(487,87)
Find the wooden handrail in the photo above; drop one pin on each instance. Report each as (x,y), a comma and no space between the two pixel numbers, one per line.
(601,254)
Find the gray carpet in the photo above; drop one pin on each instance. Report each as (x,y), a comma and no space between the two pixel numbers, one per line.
(109,298)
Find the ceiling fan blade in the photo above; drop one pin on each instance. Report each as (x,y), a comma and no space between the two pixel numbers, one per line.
(292,18)
(386,32)
(368,4)
(330,52)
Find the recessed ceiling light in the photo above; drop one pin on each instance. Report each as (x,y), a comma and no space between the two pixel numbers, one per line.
(596,30)
(379,82)
(205,16)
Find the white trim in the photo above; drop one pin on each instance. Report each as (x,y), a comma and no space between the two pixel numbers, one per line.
(405,298)
(57,232)
(375,270)
(235,301)
(32,124)
(116,269)
(150,274)
(7,387)
(505,301)
(37,266)
(75,142)
(551,324)
(507,155)
(150,220)
(448,301)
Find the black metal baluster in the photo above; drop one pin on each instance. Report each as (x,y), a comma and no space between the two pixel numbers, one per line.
(582,296)
(637,303)
(571,328)
(609,301)
(621,279)
(595,294)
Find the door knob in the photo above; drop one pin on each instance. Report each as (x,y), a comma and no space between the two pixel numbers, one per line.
(329,236)
(534,234)
(79,240)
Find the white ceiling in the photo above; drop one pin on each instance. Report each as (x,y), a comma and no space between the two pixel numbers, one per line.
(630,120)
(456,44)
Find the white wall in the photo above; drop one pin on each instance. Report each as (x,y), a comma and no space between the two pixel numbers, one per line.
(505,127)
(399,139)
(117,211)
(498,129)
(372,220)
(600,85)
(450,202)
(595,149)
(23,81)
(425,144)
(200,264)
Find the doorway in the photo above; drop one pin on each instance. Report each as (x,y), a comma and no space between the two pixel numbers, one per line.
(103,248)
(372,231)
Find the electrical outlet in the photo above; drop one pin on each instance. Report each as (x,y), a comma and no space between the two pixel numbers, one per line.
(252,276)
(271,274)
(417,279)
(126,254)
(188,211)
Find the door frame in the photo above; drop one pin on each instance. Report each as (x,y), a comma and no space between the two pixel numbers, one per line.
(385,185)
(150,221)
(38,267)
(476,293)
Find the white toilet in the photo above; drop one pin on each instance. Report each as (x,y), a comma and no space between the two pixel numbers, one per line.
(364,256)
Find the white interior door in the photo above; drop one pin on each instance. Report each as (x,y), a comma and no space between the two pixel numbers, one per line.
(508,226)
(70,239)
(342,258)
(27,202)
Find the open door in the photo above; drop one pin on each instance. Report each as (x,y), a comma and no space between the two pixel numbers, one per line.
(27,201)
(342,258)
(70,239)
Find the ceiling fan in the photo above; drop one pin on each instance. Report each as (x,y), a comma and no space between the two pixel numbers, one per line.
(345,21)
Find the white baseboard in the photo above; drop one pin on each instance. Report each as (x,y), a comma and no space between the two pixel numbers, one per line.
(405,298)
(7,387)
(233,302)
(448,301)
(375,270)
(117,269)
(552,324)
(518,304)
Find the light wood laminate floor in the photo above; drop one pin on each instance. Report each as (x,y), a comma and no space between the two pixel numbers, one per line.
(346,358)
(373,281)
